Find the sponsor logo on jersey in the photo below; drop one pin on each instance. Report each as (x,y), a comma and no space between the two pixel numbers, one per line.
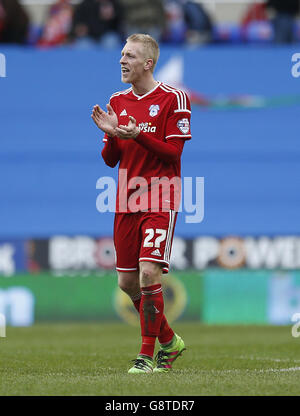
(153,110)
(183,125)
(147,127)
(123,113)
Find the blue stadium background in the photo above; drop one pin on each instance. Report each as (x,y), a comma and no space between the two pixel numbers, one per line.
(50,149)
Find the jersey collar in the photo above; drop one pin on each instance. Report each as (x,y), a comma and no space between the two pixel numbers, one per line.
(139,97)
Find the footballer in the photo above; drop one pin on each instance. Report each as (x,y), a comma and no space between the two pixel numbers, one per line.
(145,129)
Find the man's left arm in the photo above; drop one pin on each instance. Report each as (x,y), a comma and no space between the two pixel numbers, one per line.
(169,151)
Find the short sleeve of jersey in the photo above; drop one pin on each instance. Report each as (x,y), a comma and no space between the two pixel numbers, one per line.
(178,122)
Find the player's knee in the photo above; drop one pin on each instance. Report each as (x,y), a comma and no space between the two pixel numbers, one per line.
(129,284)
(150,274)
(123,286)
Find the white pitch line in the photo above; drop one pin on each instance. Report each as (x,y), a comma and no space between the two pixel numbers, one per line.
(276,370)
(276,360)
(254,370)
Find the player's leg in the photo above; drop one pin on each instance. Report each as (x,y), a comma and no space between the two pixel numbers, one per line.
(158,231)
(151,312)
(130,284)
(151,306)
(127,252)
(156,250)
(127,241)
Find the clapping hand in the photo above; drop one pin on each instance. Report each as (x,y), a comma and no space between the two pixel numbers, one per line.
(128,132)
(107,122)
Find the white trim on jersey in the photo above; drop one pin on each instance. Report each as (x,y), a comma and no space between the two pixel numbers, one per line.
(182,111)
(178,135)
(116,94)
(152,259)
(172,216)
(180,95)
(139,97)
(121,269)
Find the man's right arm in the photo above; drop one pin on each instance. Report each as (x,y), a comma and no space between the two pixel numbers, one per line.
(111,152)
(107,122)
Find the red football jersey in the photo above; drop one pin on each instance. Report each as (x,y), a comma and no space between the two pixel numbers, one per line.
(162,113)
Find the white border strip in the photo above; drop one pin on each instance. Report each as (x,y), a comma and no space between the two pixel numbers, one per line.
(121,269)
(154,260)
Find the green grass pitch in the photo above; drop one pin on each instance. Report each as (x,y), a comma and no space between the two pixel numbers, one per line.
(93,359)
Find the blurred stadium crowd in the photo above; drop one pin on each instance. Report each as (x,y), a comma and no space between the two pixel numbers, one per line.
(82,23)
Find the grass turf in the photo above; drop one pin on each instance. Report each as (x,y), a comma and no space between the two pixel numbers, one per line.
(93,359)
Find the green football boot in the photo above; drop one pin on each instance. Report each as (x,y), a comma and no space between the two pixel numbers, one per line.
(166,356)
(142,364)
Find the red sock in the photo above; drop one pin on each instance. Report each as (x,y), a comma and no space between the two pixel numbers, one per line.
(165,332)
(151,312)
(137,301)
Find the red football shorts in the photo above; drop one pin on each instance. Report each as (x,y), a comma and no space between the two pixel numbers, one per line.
(143,236)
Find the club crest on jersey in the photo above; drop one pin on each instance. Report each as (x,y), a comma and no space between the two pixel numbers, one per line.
(147,127)
(183,125)
(153,110)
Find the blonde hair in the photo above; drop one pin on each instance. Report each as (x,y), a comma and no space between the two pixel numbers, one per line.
(150,45)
